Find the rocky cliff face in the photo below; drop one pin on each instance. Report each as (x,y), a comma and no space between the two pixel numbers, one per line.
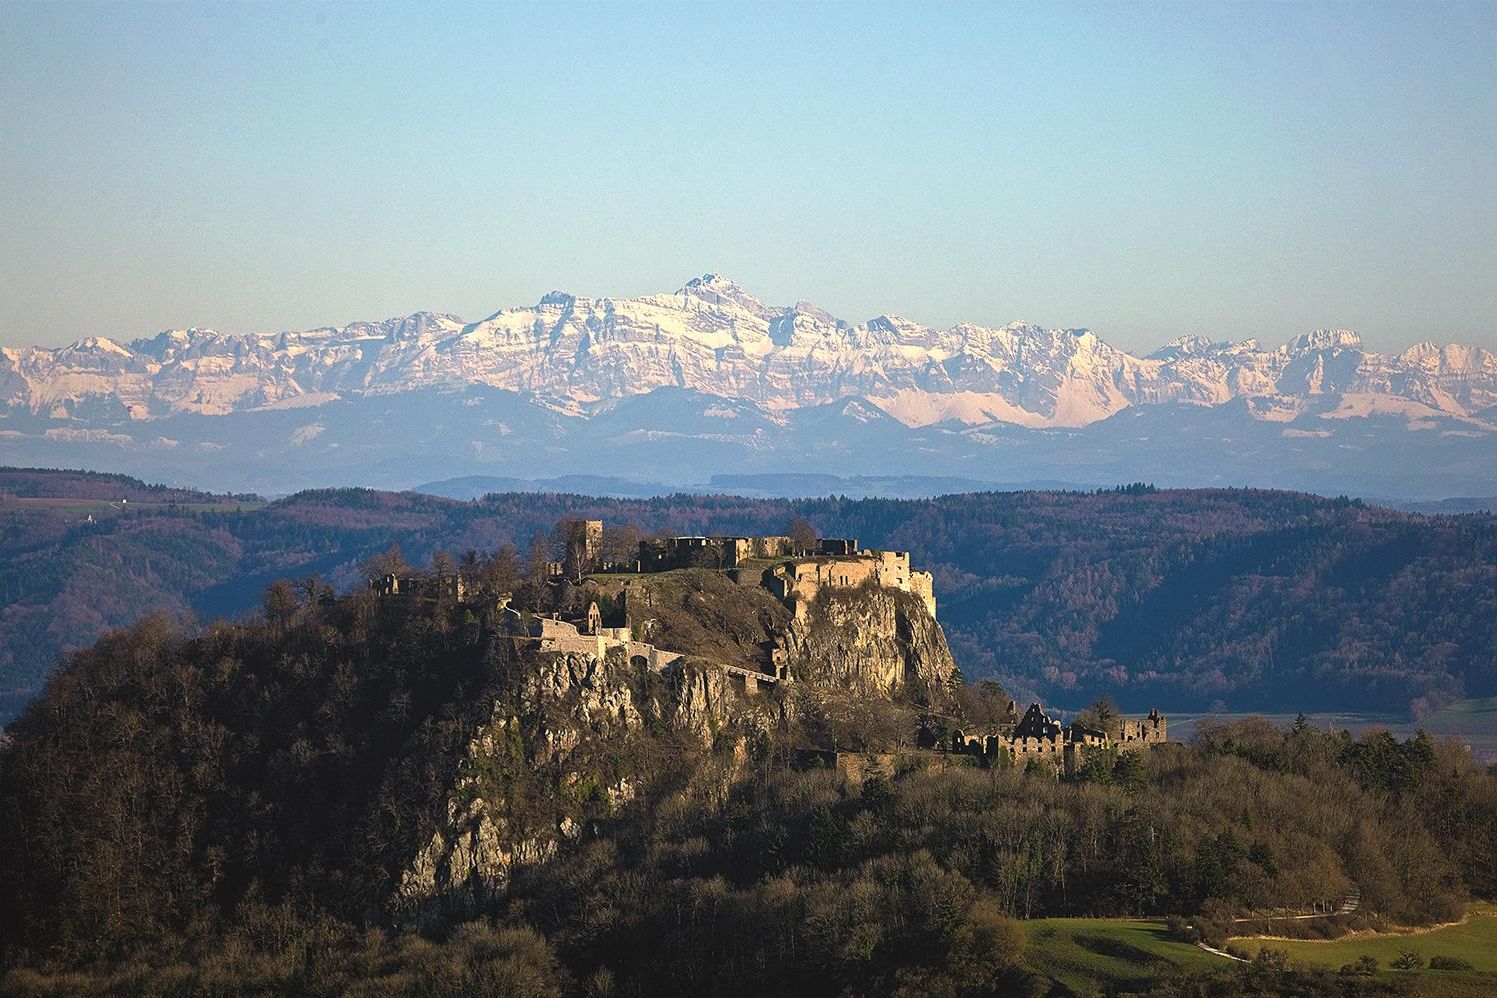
(579,738)
(510,803)
(576,737)
(870,640)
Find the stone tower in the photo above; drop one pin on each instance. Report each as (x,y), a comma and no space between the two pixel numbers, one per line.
(592,541)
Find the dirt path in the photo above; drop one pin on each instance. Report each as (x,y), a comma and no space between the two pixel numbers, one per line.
(1414,930)
(1222,953)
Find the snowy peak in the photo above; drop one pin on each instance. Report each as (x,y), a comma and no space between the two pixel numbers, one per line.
(713,338)
(99,344)
(815,314)
(716,289)
(1453,358)
(1325,339)
(1192,346)
(709,284)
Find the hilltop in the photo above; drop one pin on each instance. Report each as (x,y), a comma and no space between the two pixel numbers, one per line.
(59,483)
(447,784)
(1261,600)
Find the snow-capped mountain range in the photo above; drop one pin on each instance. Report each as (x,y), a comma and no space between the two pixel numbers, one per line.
(578,358)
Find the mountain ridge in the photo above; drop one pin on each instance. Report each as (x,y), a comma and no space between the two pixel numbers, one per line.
(711,335)
(708,379)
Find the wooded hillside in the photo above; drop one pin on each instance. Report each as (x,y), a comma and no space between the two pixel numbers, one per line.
(232,812)
(1261,600)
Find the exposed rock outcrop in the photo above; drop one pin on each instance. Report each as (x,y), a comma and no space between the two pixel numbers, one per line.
(545,761)
(566,747)
(870,640)
(571,736)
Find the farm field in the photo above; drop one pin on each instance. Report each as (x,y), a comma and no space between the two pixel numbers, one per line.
(1472,721)
(1474,941)
(1087,953)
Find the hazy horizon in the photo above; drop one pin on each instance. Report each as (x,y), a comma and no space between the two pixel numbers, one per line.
(1143,171)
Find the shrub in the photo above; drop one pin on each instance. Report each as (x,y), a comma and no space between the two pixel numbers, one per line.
(1409,959)
(1179,928)
(1212,932)
(1448,963)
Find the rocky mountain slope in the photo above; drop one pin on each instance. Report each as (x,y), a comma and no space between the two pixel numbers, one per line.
(710,379)
(711,336)
(445,753)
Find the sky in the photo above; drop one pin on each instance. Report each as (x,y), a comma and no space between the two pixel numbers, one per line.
(1144,171)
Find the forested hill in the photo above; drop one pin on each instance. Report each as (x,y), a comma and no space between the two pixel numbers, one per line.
(375,797)
(48,483)
(1261,600)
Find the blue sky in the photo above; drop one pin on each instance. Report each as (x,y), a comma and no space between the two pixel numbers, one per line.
(1147,171)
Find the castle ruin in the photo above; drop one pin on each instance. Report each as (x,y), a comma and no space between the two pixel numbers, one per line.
(797,581)
(1063,748)
(795,575)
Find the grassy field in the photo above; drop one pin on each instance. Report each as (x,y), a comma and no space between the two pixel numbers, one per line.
(1472,721)
(1088,953)
(1474,941)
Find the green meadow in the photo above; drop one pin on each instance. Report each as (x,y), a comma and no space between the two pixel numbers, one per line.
(1474,941)
(1472,721)
(1088,953)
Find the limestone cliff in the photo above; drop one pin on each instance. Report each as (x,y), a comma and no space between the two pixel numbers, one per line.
(575,738)
(571,737)
(871,640)
(515,791)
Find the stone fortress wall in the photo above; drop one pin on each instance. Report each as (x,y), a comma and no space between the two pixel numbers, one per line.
(798,581)
(594,640)
(663,554)
(833,563)
(793,574)
(1036,736)
(1143,732)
